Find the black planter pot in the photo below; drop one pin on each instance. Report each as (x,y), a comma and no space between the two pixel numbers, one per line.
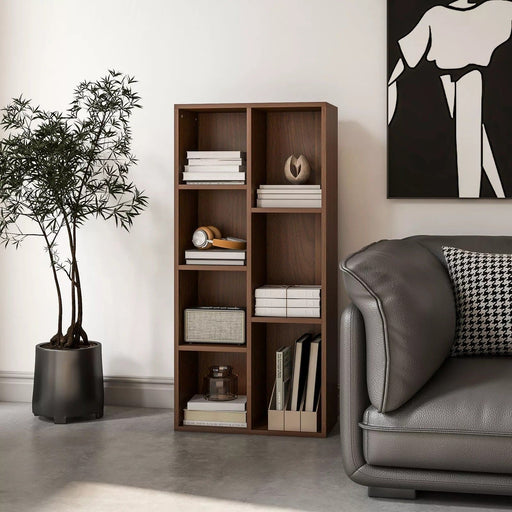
(68,383)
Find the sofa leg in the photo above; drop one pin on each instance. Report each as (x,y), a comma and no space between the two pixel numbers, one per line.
(386,492)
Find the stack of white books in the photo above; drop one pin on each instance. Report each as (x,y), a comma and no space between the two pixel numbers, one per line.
(303,301)
(215,257)
(270,300)
(298,301)
(203,412)
(215,167)
(289,196)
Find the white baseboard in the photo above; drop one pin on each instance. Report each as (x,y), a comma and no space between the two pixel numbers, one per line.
(126,391)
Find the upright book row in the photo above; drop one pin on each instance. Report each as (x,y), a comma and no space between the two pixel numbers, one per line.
(294,405)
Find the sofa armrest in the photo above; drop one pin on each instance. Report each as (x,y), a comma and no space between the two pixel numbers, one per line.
(353,392)
(405,296)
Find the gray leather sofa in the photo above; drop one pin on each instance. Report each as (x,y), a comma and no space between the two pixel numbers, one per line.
(412,417)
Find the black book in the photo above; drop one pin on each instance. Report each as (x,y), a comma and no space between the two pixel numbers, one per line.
(300,370)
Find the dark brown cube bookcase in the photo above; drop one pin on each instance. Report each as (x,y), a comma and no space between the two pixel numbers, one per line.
(284,246)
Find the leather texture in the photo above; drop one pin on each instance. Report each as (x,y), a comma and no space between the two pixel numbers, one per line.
(406,299)
(490,244)
(354,400)
(353,395)
(460,421)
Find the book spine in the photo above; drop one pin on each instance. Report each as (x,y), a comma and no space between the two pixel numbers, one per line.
(302,293)
(209,255)
(270,312)
(199,423)
(279,381)
(303,312)
(289,197)
(270,303)
(278,293)
(200,162)
(214,168)
(303,303)
(289,203)
(290,187)
(215,154)
(237,263)
(218,176)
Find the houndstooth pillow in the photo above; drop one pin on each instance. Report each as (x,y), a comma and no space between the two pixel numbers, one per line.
(482,284)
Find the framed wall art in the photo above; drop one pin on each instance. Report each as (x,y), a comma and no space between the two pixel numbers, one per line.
(449,99)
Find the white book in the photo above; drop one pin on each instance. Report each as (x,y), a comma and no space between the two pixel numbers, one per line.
(194,423)
(289,203)
(313,382)
(218,176)
(303,303)
(303,291)
(287,197)
(193,162)
(290,187)
(271,291)
(300,368)
(215,168)
(238,263)
(289,192)
(303,312)
(270,312)
(270,303)
(216,154)
(199,403)
(283,374)
(212,254)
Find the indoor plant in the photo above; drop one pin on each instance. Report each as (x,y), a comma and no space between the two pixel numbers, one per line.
(56,171)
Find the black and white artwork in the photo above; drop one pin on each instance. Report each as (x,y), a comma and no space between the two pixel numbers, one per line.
(450,98)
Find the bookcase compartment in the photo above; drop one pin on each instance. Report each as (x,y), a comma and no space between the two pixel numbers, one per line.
(210,130)
(225,209)
(203,288)
(279,133)
(194,367)
(292,249)
(266,339)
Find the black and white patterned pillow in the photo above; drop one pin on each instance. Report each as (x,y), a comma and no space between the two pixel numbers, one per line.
(482,285)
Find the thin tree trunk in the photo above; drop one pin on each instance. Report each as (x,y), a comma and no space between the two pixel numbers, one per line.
(70,334)
(80,330)
(57,339)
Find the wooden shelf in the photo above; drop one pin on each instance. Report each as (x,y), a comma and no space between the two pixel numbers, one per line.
(284,320)
(284,246)
(286,210)
(217,268)
(212,187)
(217,347)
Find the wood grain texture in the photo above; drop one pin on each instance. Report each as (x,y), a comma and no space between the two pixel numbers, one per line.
(292,249)
(222,131)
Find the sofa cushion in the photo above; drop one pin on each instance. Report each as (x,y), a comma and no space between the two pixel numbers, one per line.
(460,421)
(405,296)
(482,284)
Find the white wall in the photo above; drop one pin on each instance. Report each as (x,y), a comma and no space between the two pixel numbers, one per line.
(198,51)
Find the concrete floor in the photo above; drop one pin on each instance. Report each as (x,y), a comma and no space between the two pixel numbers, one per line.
(131,460)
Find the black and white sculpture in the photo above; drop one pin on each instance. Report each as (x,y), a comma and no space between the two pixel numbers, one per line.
(453,44)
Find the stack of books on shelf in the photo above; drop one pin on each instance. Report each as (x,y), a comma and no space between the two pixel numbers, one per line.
(215,167)
(289,196)
(208,413)
(298,301)
(215,257)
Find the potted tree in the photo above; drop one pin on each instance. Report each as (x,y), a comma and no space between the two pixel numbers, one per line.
(57,170)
